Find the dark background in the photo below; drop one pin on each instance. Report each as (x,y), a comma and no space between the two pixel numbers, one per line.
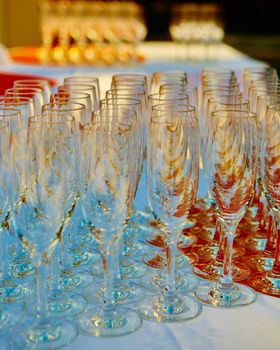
(252,26)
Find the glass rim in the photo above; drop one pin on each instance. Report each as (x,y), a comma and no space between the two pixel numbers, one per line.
(82,77)
(189,108)
(181,97)
(35,119)
(194,87)
(133,75)
(243,102)
(134,100)
(126,110)
(33,80)
(140,92)
(180,120)
(264,96)
(90,126)
(79,107)
(131,83)
(250,115)
(238,92)
(16,111)
(83,86)
(273,105)
(26,102)
(15,89)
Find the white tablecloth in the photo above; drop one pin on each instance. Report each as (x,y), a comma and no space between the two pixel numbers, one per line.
(252,327)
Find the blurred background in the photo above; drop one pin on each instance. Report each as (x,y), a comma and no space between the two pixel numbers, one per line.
(250,26)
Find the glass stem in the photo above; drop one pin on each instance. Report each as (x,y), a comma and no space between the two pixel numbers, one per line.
(55,269)
(229,231)
(42,287)
(117,258)
(5,252)
(220,232)
(271,238)
(108,258)
(276,267)
(171,250)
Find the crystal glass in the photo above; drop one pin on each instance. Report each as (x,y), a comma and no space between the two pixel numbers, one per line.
(269,282)
(85,79)
(172,180)
(9,314)
(44,181)
(108,165)
(34,93)
(82,87)
(67,255)
(74,97)
(12,287)
(231,166)
(44,85)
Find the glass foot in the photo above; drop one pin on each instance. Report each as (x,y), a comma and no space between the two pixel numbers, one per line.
(70,281)
(21,267)
(15,291)
(210,252)
(156,239)
(10,315)
(217,295)
(61,305)
(51,335)
(162,309)
(133,269)
(124,293)
(135,249)
(77,258)
(255,243)
(260,262)
(96,323)
(213,271)
(156,259)
(155,281)
(266,283)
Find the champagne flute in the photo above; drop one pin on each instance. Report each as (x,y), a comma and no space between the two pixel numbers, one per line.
(109,174)
(231,167)
(10,314)
(269,282)
(44,179)
(172,181)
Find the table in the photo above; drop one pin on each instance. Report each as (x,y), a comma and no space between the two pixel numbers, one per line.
(252,327)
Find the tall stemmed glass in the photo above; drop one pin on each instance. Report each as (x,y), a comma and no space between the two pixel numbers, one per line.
(269,282)
(11,289)
(110,170)
(65,258)
(45,178)
(125,291)
(10,314)
(231,166)
(172,181)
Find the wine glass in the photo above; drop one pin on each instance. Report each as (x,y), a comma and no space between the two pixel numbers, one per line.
(172,181)
(109,172)
(85,79)
(231,167)
(44,182)
(10,313)
(125,291)
(44,85)
(11,286)
(76,97)
(34,93)
(67,256)
(269,282)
